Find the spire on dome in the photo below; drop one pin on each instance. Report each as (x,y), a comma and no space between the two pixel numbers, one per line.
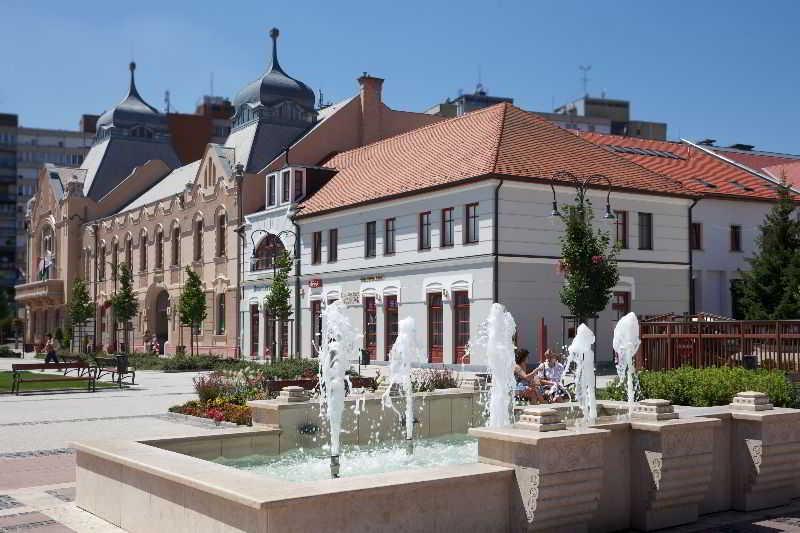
(274,33)
(132,89)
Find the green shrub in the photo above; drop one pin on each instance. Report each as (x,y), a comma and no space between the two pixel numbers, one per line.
(704,387)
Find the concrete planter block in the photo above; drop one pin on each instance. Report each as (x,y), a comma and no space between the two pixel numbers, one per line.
(671,470)
(751,401)
(540,418)
(558,475)
(765,462)
(654,410)
(293,394)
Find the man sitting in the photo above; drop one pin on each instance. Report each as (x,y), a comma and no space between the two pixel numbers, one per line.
(550,372)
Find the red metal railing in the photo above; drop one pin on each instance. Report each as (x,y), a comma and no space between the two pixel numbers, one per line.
(702,343)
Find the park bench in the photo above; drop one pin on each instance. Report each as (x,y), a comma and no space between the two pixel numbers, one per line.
(117,367)
(89,374)
(81,364)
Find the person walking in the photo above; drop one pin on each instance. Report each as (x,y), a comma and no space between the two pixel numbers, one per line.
(50,351)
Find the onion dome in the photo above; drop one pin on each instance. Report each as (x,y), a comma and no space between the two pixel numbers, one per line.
(275,85)
(131,111)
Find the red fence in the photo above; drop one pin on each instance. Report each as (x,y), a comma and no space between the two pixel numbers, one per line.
(702,343)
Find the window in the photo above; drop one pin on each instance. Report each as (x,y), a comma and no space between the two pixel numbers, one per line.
(333,245)
(143,252)
(696,236)
(271,190)
(222,222)
(285,186)
(736,238)
(101,263)
(370,243)
(316,326)
(254,327)
(447,227)
(621,227)
(298,184)
(267,250)
(316,250)
(221,314)
(425,231)
(621,303)
(391,317)
(472,232)
(129,251)
(370,327)
(114,258)
(159,242)
(176,245)
(198,240)
(388,237)
(435,330)
(645,231)
(460,326)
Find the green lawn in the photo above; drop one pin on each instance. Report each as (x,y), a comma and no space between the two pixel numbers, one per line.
(5,384)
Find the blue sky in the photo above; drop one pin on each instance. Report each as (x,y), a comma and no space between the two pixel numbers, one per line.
(725,70)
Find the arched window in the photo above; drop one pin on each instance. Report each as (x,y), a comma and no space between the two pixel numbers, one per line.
(101,263)
(129,251)
(114,258)
(159,243)
(222,221)
(221,314)
(267,250)
(176,245)
(143,251)
(47,256)
(198,240)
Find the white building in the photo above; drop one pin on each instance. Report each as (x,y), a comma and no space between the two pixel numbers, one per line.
(440,222)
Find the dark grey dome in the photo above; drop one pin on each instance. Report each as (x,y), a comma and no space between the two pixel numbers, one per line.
(275,85)
(131,111)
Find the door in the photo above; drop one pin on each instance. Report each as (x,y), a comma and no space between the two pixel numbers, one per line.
(161,327)
(435,330)
(254,331)
(390,310)
(370,327)
(460,327)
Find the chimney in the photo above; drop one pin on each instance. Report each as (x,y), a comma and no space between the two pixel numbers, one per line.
(371,107)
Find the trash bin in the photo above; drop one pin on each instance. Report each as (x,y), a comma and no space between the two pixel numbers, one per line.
(750,362)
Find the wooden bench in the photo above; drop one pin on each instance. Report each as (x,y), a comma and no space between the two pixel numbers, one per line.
(82,364)
(117,368)
(89,374)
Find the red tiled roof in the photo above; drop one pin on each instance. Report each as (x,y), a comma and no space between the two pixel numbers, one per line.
(697,170)
(755,160)
(501,140)
(786,171)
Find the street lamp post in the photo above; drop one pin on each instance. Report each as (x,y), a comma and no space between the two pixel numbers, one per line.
(581,186)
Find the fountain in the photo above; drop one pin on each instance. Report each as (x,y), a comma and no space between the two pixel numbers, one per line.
(582,355)
(626,343)
(405,352)
(495,340)
(338,348)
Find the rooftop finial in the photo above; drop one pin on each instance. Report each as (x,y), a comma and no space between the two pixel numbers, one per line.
(132,89)
(274,33)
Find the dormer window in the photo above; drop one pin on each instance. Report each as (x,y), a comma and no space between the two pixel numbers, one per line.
(271,190)
(142,132)
(285,186)
(298,184)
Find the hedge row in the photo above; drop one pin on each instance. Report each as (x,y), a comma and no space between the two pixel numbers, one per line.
(704,387)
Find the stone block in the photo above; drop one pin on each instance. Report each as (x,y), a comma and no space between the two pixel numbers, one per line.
(292,394)
(654,409)
(751,401)
(540,418)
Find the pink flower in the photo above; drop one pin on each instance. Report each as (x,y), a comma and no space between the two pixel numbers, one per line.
(562,267)
(217,415)
(597,259)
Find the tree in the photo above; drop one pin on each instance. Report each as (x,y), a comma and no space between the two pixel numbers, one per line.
(81,309)
(277,301)
(771,289)
(588,263)
(124,303)
(192,305)
(5,313)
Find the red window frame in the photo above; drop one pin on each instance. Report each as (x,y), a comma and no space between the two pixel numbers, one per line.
(370,327)
(435,328)
(391,321)
(461,309)
(621,303)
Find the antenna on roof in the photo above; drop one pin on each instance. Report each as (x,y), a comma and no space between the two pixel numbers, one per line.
(479,88)
(585,77)
(166,101)
(212,84)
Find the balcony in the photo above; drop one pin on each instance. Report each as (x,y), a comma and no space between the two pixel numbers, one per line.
(47,292)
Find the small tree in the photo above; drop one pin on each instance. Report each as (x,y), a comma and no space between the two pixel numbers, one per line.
(81,309)
(277,300)
(192,306)
(771,289)
(124,303)
(588,262)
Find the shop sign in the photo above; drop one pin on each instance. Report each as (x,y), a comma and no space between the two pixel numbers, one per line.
(374,277)
(315,283)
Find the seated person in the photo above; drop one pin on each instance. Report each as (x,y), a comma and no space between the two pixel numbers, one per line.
(527,383)
(551,371)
